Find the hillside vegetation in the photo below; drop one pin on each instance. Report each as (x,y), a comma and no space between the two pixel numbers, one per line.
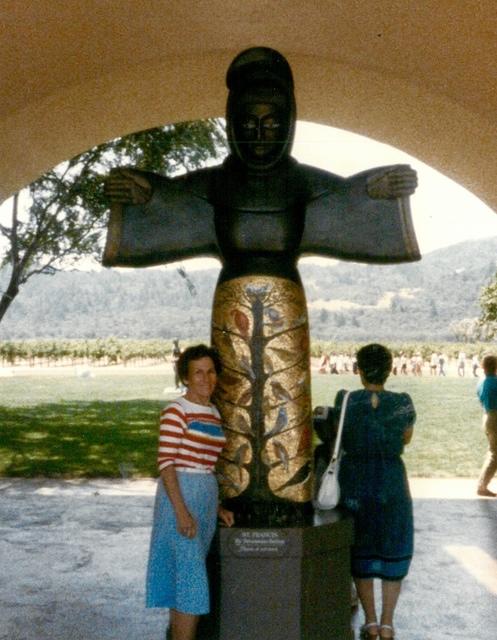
(347,301)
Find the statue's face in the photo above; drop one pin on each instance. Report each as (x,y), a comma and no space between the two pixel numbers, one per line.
(259,123)
(260,132)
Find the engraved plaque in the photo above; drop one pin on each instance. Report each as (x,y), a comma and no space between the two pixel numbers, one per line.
(247,543)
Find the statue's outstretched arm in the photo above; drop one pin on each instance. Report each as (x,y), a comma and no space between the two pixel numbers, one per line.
(365,217)
(155,220)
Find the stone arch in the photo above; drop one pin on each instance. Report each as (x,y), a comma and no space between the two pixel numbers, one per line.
(81,73)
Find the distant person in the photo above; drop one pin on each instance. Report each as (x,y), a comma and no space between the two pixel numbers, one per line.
(323,363)
(441,364)
(347,363)
(433,364)
(333,364)
(186,504)
(418,365)
(461,364)
(396,365)
(487,394)
(374,487)
(175,357)
(475,365)
(413,364)
(403,364)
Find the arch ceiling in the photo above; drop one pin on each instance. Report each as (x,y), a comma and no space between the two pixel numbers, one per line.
(420,76)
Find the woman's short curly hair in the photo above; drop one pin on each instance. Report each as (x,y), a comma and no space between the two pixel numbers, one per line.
(375,362)
(195,353)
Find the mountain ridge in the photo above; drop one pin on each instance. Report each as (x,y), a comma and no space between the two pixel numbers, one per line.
(346,300)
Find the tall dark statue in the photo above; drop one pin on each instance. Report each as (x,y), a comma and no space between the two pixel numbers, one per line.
(258,213)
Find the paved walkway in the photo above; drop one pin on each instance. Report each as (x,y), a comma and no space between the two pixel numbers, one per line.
(72,561)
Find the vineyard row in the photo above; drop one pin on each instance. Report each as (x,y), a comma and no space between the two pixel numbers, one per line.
(126,351)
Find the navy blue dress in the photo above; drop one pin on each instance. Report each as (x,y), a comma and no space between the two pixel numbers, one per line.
(373,482)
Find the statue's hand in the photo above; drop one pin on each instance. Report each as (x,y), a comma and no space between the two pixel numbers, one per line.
(125,186)
(392,183)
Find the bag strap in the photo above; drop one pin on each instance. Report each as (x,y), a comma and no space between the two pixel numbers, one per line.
(338,441)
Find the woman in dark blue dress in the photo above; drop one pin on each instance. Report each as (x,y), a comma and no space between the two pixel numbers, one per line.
(374,486)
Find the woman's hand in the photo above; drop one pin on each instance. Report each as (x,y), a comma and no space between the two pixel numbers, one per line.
(186,524)
(226,517)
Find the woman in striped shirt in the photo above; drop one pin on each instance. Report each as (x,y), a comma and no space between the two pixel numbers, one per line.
(186,506)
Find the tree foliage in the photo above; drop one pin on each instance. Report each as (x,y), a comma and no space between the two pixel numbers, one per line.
(64,214)
(488,303)
(467,330)
(131,303)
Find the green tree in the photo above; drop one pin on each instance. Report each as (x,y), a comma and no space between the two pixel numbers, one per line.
(466,330)
(488,316)
(64,214)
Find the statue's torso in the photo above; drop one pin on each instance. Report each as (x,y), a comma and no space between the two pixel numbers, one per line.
(260,329)
(259,221)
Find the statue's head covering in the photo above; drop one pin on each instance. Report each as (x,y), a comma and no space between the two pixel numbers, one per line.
(261,75)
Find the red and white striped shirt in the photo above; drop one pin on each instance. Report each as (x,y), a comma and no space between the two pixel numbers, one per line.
(190,436)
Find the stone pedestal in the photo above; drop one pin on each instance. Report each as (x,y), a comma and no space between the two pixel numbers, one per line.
(282,584)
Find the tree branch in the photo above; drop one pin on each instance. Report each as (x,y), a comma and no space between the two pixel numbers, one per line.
(244,374)
(268,339)
(14,238)
(5,231)
(290,366)
(270,436)
(229,332)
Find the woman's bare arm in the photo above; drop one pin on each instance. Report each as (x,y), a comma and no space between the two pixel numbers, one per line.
(408,435)
(185,522)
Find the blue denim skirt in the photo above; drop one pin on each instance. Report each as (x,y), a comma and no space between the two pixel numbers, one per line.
(176,573)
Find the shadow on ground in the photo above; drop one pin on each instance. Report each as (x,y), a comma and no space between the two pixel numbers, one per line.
(80,439)
(74,555)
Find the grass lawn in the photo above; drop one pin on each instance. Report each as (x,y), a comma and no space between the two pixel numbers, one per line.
(106,426)
(448,440)
(67,426)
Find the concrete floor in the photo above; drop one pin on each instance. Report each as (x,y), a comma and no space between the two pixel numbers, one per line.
(73,555)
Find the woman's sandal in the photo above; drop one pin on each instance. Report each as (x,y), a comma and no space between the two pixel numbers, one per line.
(389,628)
(364,633)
